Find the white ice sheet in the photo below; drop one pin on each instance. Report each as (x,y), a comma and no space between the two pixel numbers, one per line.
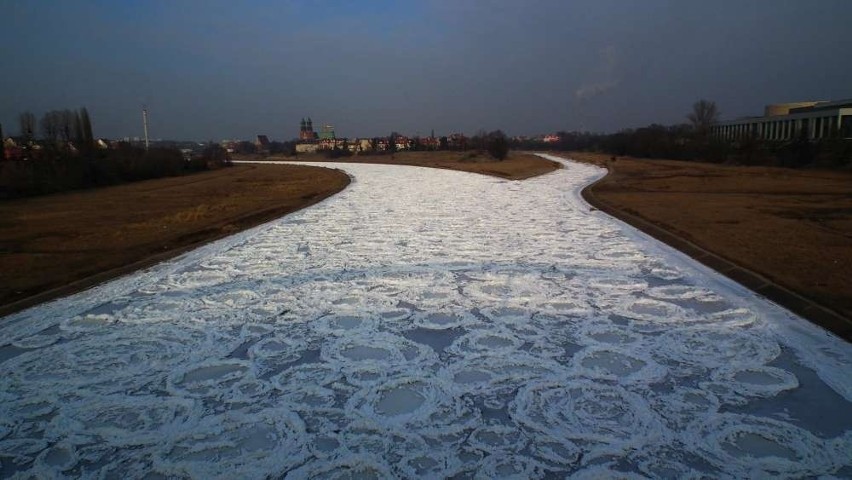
(425,323)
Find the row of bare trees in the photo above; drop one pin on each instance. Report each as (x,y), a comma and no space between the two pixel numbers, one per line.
(694,141)
(59,127)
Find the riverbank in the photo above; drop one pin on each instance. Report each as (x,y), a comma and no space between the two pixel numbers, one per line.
(55,245)
(786,234)
(59,244)
(517,166)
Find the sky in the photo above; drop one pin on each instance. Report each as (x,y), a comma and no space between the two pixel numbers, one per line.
(213,70)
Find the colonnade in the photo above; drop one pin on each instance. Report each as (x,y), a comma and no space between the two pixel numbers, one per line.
(817,127)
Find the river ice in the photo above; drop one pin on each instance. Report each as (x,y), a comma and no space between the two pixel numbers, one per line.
(425,323)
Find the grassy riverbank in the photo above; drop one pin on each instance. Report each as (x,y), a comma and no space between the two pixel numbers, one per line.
(784,233)
(517,166)
(58,244)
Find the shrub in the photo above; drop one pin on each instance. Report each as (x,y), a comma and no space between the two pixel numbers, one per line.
(497,144)
(59,173)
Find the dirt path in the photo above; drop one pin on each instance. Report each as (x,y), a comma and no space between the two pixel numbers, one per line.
(55,245)
(785,233)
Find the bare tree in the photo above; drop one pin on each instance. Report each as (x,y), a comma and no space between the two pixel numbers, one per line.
(66,125)
(478,141)
(79,139)
(704,115)
(497,144)
(27,122)
(88,138)
(392,142)
(51,125)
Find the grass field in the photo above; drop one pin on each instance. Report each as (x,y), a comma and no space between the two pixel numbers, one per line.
(793,227)
(62,243)
(517,166)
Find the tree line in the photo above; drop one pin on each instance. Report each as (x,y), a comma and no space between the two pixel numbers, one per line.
(693,141)
(59,127)
(65,157)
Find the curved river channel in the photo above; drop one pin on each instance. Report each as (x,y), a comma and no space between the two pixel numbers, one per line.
(425,324)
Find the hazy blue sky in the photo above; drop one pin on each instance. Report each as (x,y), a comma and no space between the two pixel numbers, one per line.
(232,69)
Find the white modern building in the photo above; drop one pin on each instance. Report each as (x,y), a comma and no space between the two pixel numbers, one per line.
(787,121)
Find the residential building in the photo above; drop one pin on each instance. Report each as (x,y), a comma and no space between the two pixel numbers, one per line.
(306,147)
(12,150)
(457,141)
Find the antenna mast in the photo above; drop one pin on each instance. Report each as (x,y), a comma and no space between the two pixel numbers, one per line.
(145,125)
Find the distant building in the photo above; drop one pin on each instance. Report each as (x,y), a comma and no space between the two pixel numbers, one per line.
(553,138)
(457,141)
(326,139)
(12,150)
(306,147)
(788,121)
(262,144)
(306,131)
(428,143)
(403,142)
(327,133)
(230,146)
(364,144)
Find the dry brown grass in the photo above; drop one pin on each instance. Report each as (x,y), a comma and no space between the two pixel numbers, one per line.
(517,166)
(57,244)
(793,227)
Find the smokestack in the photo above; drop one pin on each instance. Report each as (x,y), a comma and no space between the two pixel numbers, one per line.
(145,125)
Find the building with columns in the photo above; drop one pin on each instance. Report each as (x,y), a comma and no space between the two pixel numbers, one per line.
(788,121)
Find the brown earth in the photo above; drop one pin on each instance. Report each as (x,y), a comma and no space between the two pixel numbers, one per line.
(517,166)
(58,244)
(784,233)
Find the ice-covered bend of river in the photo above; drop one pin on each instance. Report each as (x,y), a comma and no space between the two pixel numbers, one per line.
(425,323)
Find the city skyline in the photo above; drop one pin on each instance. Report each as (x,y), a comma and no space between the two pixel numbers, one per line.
(215,70)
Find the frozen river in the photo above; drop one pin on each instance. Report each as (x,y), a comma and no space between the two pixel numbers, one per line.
(425,324)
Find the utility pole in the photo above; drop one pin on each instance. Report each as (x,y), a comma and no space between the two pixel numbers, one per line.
(145,125)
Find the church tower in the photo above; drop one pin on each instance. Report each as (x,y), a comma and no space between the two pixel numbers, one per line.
(306,130)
